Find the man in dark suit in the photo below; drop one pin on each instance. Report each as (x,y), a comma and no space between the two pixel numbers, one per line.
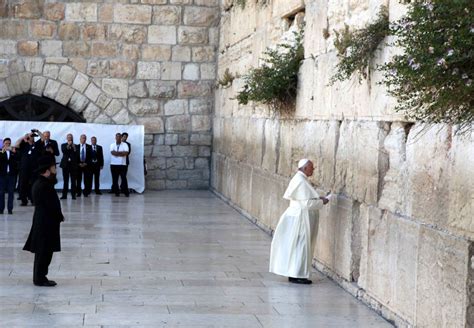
(8,173)
(84,166)
(69,166)
(45,144)
(97,164)
(44,237)
(29,157)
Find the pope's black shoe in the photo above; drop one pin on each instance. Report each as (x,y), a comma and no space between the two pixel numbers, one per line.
(302,281)
(47,283)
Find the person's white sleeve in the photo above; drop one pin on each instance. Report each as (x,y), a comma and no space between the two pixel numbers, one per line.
(125,148)
(315,204)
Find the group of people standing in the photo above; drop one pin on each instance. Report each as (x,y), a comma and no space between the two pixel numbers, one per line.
(81,165)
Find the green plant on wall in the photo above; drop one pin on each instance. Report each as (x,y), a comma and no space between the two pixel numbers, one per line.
(275,82)
(433,77)
(356,49)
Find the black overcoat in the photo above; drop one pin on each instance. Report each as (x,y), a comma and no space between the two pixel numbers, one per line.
(44,235)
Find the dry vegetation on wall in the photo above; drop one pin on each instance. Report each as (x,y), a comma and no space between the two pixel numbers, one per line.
(433,77)
(275,82)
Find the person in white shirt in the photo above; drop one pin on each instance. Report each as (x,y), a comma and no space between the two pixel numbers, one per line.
(118,165)
(295,235)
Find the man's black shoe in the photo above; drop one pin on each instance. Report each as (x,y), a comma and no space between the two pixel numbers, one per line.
(127,195)
(73,197)
(302,281)
(63,197)
(117,195)
(10,211)
(24,204)
(47,283)
(98,193)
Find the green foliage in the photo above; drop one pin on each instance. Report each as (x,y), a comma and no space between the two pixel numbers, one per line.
(433,77)
(275,82)
(240,3)
(356,49)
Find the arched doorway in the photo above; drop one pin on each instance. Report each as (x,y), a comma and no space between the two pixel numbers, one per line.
(33,108)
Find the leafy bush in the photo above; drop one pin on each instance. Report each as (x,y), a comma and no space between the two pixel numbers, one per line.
(356,49)
(432,79)
(275,82)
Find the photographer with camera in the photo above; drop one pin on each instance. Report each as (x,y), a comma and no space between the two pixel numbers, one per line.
(8,173)
(69,165)
(29,157)
(46,145)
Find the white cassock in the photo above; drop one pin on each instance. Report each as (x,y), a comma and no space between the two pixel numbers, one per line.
(295,235)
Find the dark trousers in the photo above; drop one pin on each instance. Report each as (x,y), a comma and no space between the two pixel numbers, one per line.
(40,267)
(69,174)
(95,175)
(119,171)
(7,184)
(83,172)
(26,181)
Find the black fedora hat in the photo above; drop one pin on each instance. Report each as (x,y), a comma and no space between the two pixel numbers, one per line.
(45,162)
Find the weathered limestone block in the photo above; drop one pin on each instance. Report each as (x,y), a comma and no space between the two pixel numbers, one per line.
(162,34)
(33,65)
(103,101)
(78,102)
(171,140)
(54,11)
(69,31)
(153,124)
(200,106)
(42,30)
(27,48)
(4,89)
(51,89)
(64,94)
(178,123)
(130,51)
(199,16)
(79,64)
(91,112)
(209,3)
(144,106)
(25,81)
(442,272)
(138,89)
(127,33)
(166,15)
(14,85)
(176,107)
(13,30)
(271,135)
(98,68)
(92,92)
(106,13)
(146,70)
(103,50)
(51,71)
(171,71)
(181,53)
(103,119)
(27,9)
(361,161)
(37,85)
(121,69)
(156,52)
(67,75)
(80,82)
(201,139)
(122,117)
(76,49)
(188,35)
(201,123)
(388,262)
(81,12)
(116,88)
(161,89)
(428,178)
(132,14)
(94,32)
(8,47)
(191,72)
(187,89)
(208,71)
(203,54)
(51,48)
(56,60)
(317,26)
(113,108)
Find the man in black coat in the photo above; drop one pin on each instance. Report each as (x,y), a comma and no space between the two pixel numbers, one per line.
(84,166)
(97,164)
(44,237)
(69,166)
(45,144)
(8,173)
(28,163)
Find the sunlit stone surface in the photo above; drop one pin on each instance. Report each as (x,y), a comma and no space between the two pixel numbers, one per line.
(163,259)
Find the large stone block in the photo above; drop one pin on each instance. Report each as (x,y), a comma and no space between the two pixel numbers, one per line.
(178,123)
(27,9)
(148,70)
(137,90)
(64,94)
(187,89)
(188,35)
(156,52)
(28,48)
(81,12)
(94,32)
(166,15)
(80,82)
(98,68)
(162,34)
(76,49)
(127,33)
(51,89)
(171,71)
(161,89)
(116,88)
(132,14)
(153,124)
(92,92)
(34,65)
(42,30)
(54,11)
(442,272)
(10,29)
(37,85)
(8,47)
(121,69)
(106,13)
(103,50)
(201,123)
(203,54)
(200,106)
(181,53)
(69,31)
(199,16)
(144,106)
(176,107)
(67,75)
(78,102)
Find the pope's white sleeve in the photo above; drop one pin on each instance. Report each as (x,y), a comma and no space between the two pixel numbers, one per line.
(315,204)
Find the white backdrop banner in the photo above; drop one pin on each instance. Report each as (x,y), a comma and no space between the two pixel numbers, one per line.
(105,134)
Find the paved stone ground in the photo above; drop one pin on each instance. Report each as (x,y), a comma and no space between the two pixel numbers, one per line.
(162,259)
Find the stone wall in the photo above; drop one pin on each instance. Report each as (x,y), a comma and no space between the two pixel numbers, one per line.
(149,62)
(400,234)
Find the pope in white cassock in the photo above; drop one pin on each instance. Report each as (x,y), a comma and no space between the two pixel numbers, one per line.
(295,235)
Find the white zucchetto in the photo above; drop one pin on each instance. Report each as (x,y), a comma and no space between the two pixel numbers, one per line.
(303,162)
